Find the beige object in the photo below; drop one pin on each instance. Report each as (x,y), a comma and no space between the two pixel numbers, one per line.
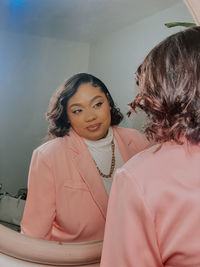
(20,250)
(194,7)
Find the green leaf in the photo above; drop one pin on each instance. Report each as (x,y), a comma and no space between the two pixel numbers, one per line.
(184,24)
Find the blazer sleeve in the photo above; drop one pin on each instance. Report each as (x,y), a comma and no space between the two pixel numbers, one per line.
(130,235)
(39,212)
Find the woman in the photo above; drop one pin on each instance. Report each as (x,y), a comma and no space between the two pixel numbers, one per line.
(71,174)
(154,207)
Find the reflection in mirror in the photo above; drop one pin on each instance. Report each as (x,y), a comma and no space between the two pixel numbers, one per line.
(44,42)
(83,131)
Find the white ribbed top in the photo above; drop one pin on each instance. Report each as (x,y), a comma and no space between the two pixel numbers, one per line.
(101,152)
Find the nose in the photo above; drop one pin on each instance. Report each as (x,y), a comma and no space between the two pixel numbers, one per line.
(90,115)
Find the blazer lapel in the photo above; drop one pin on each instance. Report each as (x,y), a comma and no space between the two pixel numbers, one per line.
(87,168)
(124,145)
(88,171)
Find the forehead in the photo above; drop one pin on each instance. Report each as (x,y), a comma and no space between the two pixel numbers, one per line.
(86,92)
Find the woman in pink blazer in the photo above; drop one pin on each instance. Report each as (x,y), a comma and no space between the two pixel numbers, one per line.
(153,215)
(71,174)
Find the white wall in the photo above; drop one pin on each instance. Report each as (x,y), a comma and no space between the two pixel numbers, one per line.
(31,68)
(116,58)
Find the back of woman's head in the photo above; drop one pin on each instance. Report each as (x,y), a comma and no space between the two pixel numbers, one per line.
(59,124)
(169,88)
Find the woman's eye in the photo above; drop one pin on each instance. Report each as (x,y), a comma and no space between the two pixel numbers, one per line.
(77,111)
(98,104)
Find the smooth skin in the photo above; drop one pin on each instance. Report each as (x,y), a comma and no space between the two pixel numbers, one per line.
(88,111)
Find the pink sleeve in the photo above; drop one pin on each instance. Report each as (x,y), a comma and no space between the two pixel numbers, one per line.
(130,235)
(39,212)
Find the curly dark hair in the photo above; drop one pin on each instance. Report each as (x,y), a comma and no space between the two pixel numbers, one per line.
(59,124)
(169,88)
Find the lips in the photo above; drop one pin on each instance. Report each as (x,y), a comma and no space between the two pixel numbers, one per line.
(94,127)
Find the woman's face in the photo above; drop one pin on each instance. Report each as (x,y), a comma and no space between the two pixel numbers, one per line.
(88,111)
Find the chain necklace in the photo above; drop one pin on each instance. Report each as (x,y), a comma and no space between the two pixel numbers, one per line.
(112,167)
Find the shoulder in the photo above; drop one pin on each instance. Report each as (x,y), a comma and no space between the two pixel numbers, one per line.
(161,173)
(140,171)
(61,147)
(56,147)
(141,159)
(153,163)
(133,133)
(126,131)
(133,136)
(50,146)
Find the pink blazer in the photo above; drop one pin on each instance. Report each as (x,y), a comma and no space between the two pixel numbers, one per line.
(153,215)
(66,198)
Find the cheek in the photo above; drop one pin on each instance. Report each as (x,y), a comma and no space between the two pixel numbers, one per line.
(75,121)
(106,113)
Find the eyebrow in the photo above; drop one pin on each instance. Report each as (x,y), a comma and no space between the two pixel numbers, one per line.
(79,105)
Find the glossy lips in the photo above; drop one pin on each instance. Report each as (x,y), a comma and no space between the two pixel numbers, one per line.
(94,127)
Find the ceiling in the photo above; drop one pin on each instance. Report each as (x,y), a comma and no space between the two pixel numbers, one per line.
(78,20)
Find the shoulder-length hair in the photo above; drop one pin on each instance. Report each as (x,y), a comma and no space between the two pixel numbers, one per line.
(169,88)
(59,124)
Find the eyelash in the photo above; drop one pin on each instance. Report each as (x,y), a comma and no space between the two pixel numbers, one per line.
(77,111)
(97,105)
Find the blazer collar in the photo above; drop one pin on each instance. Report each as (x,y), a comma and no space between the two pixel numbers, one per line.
(124,141)
(87,168)
(88,171)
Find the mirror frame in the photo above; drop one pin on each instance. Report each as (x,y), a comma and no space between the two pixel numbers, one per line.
(49,253)
(194,8)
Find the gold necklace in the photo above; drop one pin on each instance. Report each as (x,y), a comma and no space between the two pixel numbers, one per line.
(112,167)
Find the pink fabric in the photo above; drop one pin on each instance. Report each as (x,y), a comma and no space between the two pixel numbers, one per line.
(154,210)
(66,198)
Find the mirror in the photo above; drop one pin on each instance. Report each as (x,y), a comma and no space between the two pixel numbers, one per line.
(43,42)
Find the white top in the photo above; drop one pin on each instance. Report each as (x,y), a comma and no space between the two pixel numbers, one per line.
(101,152)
